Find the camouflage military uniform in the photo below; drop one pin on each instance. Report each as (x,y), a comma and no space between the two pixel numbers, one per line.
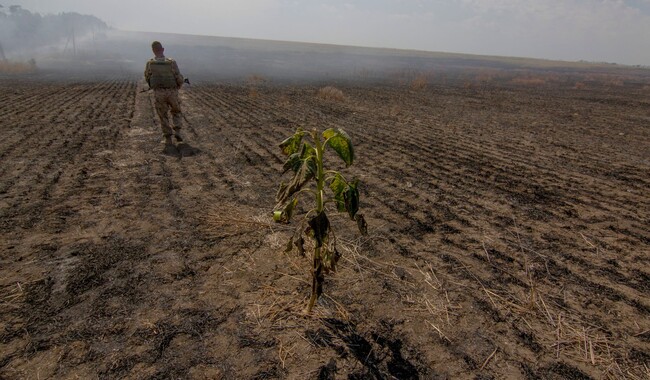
(165,79)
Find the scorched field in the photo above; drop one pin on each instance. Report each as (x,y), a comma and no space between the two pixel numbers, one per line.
(509,234)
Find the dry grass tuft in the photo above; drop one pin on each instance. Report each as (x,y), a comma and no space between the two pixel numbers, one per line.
(283,101)
(529,81)
(233,220)
(7,67)
(255,79)
(283,307)
(616,82)
(14,296)
(419,83)
(331,93)
(394,110)
(567,334)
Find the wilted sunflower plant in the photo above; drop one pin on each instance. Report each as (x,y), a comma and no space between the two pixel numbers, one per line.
(305,160)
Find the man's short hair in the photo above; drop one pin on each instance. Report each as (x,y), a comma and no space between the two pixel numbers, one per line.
(156,45)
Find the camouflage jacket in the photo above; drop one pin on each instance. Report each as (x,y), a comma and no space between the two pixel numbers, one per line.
(161,72)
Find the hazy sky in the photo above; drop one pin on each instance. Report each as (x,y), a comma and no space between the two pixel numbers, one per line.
(595,30)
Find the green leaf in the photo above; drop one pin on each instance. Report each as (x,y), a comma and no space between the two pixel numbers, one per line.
(292,144)
(292,163)
(351,198)
(338,186)
(307,151)
(295,160)
(320,226)
(338,140)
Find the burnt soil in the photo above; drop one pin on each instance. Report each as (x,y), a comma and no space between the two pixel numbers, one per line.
(509,234)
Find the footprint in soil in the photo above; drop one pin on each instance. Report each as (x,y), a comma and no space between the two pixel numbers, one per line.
(181,150)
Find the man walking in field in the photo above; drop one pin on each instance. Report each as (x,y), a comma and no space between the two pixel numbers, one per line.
(165,79)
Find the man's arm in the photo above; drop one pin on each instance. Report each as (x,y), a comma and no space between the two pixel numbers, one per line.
(147,73)
(177,74)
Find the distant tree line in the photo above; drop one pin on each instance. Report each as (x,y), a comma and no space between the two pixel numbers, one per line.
(21,29)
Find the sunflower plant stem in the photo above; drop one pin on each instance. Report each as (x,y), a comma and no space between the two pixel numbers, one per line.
(317,269)
(320,173)
(305,159)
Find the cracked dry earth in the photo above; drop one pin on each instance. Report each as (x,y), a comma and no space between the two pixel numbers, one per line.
(509,234)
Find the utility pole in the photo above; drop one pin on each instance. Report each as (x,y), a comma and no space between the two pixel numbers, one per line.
(74,46)
(2,52)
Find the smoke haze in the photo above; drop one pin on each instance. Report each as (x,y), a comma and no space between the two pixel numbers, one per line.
(84,44)
(573,30)
(24,33)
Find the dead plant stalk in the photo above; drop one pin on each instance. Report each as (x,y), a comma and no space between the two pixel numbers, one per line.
(488,359)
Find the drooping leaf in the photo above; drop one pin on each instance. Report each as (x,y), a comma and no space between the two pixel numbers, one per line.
(362,224)
(307,151)
(351,198)
(288,211)
(292,163)
(320,226)
(281,190)
(304,174)
(338,186)
(277,215)
(300,244)
(284,215)
(289,245)
(295,160)
(292,144)
(338,140)
(330,257)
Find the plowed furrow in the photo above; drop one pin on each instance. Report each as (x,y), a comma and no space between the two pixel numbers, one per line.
(245,154)
(17,139)
(226,159)
(30,101)
(514,150)
(28,172)
(450,166)
(453,155)
(407,208)
(73,146)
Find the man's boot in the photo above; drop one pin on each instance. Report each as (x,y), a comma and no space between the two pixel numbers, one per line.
(178,136)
